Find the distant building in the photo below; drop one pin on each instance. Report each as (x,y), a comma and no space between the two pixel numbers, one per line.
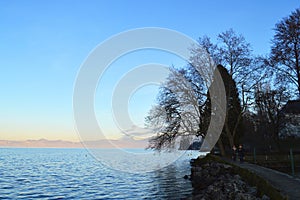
(290,120)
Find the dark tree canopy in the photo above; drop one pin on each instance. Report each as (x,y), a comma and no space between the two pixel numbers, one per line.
(269,103)
(232,130)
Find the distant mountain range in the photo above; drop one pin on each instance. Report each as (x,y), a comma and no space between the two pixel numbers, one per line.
(44,143)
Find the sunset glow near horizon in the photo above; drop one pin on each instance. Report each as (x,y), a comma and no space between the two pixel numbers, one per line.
(44,43)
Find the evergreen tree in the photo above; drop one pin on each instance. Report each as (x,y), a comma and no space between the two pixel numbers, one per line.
(232,130)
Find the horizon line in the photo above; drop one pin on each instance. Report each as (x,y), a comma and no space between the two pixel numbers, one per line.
(101,143)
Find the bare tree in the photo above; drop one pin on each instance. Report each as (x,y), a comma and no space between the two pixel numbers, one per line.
(179,108)
(184,96)
(285,51)
(234,53)
(269,101)
(245,71)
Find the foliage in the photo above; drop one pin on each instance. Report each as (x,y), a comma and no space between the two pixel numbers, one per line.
(232,129)
(233,122)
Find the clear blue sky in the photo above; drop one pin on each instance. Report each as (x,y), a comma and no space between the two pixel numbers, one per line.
(43,44)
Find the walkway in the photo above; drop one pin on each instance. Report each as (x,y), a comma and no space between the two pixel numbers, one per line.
(286,184)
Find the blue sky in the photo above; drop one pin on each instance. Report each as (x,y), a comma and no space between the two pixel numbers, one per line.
(43,44)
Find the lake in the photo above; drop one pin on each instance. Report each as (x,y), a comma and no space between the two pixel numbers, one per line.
(49,173)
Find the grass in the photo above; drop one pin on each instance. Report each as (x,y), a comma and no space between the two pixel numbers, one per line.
(280,162)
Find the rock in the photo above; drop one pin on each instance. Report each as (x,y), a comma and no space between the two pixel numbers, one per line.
(197,169)
(227,166)
(216,181)
(197,174)
(242,196)
(237,177)
(206,165)
(252,191)
(265,197)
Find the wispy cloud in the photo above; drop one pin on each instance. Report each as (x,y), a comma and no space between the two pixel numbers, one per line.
(138,133)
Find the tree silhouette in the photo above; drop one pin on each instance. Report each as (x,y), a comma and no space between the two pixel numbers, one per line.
(268,105)
(285,51)
(178,112)
(232,130)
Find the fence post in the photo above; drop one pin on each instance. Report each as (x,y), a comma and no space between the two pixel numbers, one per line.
(292,161)
(254,155)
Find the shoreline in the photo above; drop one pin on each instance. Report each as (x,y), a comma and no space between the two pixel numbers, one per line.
(214,178)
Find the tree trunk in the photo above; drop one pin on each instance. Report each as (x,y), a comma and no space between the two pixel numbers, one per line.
(297,67)
(236,127)
(221,146)
(229,135)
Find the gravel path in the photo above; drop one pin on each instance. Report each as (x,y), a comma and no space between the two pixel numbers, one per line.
(286,184)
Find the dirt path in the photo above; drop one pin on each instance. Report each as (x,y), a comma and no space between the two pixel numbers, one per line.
(288,185)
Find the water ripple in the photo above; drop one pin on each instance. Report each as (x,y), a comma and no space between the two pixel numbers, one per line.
(73,174)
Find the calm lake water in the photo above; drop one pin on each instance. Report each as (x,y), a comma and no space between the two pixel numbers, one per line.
(40,173)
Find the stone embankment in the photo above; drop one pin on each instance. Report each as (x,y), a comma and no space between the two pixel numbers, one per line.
(218,181)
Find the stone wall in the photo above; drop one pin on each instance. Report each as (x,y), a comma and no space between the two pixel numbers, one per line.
(218,181)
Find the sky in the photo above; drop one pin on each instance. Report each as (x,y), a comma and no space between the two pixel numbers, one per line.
(44,43)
